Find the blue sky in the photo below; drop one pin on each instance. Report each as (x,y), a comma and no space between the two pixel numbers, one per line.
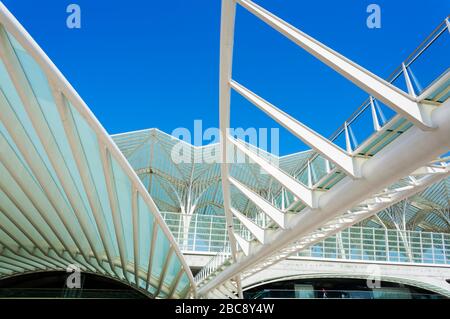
(142,64)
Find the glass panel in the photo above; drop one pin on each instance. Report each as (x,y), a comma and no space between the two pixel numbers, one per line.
(145,233)
(161,249)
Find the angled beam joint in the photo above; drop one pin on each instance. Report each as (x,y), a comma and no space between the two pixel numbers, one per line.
(369,82)
(267,208)
(299,190)
(317,142)
(256,230)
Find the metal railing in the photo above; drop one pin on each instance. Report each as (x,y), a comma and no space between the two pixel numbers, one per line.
(383,245)
(216,263)
(207,234)
(400,78)
(373,116)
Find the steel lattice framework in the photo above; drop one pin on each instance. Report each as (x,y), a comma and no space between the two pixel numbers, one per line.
(368,182)
(68,196)
(71,194)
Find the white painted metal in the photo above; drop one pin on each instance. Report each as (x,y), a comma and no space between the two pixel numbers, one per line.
(60,84)
(255,229)
(244,244)
(369,82)
(151,255)
(337,224)
(175,283)
(409,84)
(347,138)
(414,149)
(302,192)
(308,136)
(274,213)
(35,164)
(81,162)
(438,83)
(226,61)
(135,218)
(376,123)
(164,271)
(113,202)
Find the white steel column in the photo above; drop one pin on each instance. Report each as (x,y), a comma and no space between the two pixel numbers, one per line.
(226,62)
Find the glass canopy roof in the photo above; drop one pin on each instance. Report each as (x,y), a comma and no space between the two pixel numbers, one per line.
(67,194)
(195,188)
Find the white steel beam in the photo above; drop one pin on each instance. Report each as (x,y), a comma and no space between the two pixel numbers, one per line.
(19,205)
(22,178)
(433,86)
(12,124)
(243,243)
(317,142)
(226,62)
(227,24)
(376,123)
(42,179)
(255,229)
(355,217)
(81,162)
(413,149)
(274,213)
(239,292)
(299,190)
(151,254)
(135,219)
(409,84)
(367,81)
(114,204)
(429,170)
(228,294)
(175,283)
(164,272)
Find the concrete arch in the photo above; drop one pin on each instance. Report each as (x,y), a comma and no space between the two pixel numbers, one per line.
(425,277)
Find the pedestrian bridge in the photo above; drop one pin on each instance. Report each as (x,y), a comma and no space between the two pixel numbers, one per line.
(360,179)
(417,258)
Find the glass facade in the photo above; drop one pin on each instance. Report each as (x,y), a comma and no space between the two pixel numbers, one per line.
(208,234)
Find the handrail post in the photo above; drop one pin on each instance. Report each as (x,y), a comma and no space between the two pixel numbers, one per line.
(347,139)
(376,123)
(309,171)
(408,81)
